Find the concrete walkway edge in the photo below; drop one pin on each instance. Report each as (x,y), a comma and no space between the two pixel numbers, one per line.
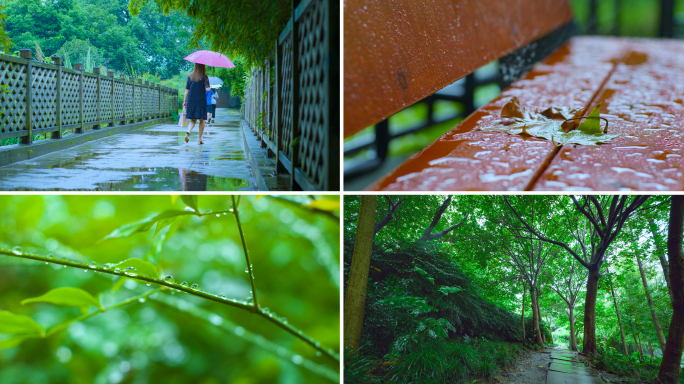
(20,152)
(261,183)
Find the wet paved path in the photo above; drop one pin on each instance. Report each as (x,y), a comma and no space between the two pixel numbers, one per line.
(565,368)
(148,159)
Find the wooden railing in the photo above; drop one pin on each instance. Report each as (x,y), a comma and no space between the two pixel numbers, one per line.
(37,98)
(293,104)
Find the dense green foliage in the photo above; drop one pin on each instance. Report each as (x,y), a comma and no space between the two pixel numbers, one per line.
(172,336)
(240,29)
(424,295)
(103,32)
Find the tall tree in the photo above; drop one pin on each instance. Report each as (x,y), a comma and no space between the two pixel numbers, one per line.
(657,240)
(607,216)
(672,355)
(617,313)
(567,285)
(355,299)
(654,315)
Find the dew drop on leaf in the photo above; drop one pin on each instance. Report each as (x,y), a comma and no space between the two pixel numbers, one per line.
(142,299)
(188,209)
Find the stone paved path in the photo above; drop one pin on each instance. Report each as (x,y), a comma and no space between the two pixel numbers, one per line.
(565,368)
(151,159)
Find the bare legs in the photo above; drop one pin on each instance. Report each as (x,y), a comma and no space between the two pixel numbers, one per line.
(191,125)
(201,129)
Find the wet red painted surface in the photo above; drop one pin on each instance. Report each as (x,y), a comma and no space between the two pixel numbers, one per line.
(642,100)
(468,159)
(397,52)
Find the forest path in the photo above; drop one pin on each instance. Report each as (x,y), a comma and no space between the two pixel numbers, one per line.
(556,365)
(147,159)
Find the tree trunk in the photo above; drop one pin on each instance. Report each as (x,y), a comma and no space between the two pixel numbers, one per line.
(654,316)
(636,343)
(539,316)
(589,341)
(522,316)
(641,348)
(573,336)
(672,355)
(622,330)
(355,300)
(650,348)
(548,321)
(535,318)
(661,257)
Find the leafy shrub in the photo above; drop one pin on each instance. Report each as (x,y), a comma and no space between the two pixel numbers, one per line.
(426,320)
(611,360)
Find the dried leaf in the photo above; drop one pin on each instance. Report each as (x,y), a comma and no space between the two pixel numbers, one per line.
(539,125)
(512,109)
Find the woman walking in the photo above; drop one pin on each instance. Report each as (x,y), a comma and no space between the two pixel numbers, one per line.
(194,101)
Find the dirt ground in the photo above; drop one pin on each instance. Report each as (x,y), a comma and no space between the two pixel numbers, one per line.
(531,367)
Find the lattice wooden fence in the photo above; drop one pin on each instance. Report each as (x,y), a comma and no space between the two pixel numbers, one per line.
(57,98)
(296,98)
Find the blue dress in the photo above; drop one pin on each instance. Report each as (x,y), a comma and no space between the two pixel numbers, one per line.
(197,106)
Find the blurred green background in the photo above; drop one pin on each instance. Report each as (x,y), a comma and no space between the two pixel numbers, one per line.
(295,256)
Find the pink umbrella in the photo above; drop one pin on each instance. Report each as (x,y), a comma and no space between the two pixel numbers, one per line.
(210,58)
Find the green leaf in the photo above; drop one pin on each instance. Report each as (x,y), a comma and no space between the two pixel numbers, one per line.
(447,290)
(67,297)
(145,224)
(161,224)
(592,124)
(142,267)
(127,229)
(547,125)
(190,201)
(13,324)
(325,205)
(14,341)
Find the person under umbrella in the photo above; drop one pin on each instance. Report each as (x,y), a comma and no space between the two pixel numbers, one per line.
(194,101)
(198,86)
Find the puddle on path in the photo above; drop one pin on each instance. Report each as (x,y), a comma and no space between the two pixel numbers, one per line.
(177,179)
(166,179)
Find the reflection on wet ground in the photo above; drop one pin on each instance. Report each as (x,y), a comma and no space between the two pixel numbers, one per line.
(152,159)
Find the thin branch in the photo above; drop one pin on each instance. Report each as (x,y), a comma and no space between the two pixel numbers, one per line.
(270,316)
(244,248)
(546,238)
